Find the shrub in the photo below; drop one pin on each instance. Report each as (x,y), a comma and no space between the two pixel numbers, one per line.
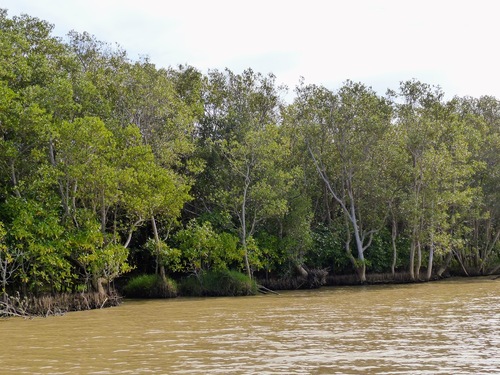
(190,286)
(202,248)
(150,286)
(218,283)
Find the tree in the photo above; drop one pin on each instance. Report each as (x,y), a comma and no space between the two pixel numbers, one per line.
(438,172)
(36,238)
(244,151)
(118,179)
(9,263)
(258,187)
(393,176)
(480,254)
(203,249)
(342,132)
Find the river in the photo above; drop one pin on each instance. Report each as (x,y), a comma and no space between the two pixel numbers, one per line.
(445,327)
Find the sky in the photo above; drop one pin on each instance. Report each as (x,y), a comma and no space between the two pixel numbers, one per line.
(453,44)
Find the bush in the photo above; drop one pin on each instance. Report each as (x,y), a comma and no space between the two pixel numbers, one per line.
(218,283)
(202,248)
(150,286)
(190,286)
(328,250)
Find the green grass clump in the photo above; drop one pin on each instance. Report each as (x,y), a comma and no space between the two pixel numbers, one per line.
(218,284)
(150,286)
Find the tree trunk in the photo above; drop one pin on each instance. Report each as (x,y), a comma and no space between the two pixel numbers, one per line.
(394,234)
(243,221)
(459,258)
(301,270)
(494,270)
(103,215)
(418,266)
(445,265)
(488,249)
(64,197)
(97,285)
(429,266)
(14,179)
(412,259)
(4,265)
(159,265)
(247,262)
(361,266)
(327,205)
(349,213)
(362,273)
(163,273)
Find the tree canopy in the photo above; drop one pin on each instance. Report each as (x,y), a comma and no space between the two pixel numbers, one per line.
(110,165)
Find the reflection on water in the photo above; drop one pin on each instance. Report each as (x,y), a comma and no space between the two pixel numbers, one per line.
(447,327)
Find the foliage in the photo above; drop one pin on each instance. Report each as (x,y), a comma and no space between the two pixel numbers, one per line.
(218,284)
(35,235)
(107,164)
(150,286)
(167,256)
(328,250)
(203,249)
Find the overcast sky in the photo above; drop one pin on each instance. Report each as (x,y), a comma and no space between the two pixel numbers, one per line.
(454,44)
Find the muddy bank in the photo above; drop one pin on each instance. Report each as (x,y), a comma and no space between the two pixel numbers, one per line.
(374,278)
(318,278)
(312,279)
(55,304)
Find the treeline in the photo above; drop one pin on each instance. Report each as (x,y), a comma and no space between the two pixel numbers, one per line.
(110,165)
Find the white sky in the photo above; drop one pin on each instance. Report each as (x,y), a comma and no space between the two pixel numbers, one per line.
(454,44)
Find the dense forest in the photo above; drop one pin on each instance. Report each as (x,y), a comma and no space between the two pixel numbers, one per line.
(113,167)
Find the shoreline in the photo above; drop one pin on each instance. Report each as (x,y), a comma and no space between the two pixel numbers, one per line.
(56,305)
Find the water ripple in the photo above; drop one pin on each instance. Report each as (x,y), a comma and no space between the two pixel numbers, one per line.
(449,327)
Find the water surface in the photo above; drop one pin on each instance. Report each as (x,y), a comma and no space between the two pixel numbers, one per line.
(446,327)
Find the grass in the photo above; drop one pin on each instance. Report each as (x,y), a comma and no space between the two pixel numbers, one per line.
(150,286)
(218,284)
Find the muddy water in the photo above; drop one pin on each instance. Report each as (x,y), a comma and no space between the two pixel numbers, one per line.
(448,327)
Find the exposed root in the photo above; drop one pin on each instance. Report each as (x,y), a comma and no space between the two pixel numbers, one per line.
(262,289)
(55,305)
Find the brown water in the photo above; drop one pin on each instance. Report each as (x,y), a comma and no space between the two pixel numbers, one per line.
(447,327)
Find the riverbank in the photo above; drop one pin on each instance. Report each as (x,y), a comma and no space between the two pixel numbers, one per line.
(43,306)
(319,278)
(59,304)
(316,280)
